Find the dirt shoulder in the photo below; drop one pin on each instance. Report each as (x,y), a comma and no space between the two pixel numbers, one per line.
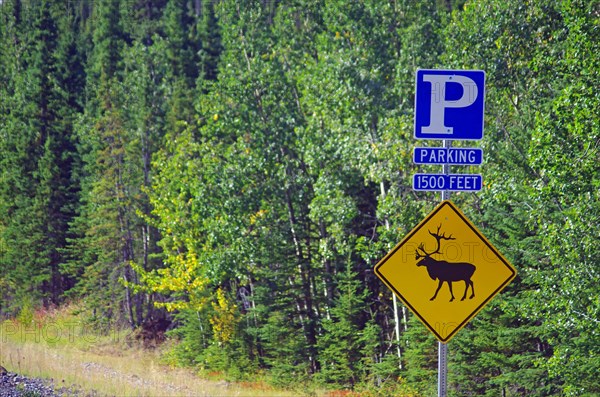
(52,366)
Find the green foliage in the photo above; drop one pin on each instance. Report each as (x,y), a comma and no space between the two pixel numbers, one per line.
(285,351)
(566,198)
(38,192)
(243,165)
(340,345)
(420,358)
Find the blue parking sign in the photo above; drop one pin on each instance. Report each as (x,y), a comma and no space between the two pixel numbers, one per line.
(449,104)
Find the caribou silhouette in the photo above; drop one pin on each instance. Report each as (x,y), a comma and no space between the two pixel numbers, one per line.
(443,271)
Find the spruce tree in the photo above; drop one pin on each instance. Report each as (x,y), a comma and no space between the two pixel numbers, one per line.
(106,220)
(40,196)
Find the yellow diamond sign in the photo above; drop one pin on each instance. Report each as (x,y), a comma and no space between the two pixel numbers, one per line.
(445,271)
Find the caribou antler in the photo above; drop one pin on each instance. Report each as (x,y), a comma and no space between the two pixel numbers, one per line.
(422,248)
(438,238)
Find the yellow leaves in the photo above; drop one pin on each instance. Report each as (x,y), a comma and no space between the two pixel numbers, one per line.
(269,56)
(224,320)
(216,117)
(184,282)
(346,34)
(256,216)
(183,277)
(375,148)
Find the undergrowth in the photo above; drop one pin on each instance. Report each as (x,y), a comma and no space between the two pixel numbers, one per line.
(60,343)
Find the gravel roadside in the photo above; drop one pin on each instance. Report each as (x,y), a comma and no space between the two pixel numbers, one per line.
(15,385)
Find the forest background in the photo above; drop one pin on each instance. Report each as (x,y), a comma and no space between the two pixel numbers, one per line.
(233,170)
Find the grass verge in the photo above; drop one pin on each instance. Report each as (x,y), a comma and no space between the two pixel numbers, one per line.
(58,346)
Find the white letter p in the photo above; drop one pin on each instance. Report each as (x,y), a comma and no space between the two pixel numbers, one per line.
(439,102)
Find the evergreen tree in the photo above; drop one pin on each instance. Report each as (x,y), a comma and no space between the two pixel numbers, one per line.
(341,346)
(210,36)
(40,187)
(106,224)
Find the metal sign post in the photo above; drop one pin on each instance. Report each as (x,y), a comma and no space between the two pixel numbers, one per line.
(443,347)
(442,369)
